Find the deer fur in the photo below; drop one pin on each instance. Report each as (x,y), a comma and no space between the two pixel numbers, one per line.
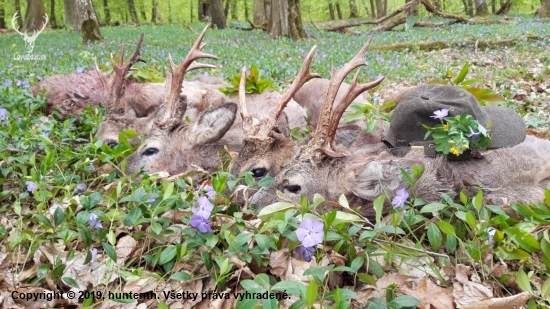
(185,148)
(516,174)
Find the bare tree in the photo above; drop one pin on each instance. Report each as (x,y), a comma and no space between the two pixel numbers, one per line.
(262,12)
(155,13)
(18,9)
(353,9)
(53,20)
(107,12)
(286,19)
(204,9)
(379,8)
(133,11)
(413,10)
(76,12)
(331,11)
(234,9)
(142,11)
(35,18)
(218,16)
(2,17)
(339,10)
(544,9)
(481,8)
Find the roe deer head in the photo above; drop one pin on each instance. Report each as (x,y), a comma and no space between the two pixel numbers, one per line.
(265,150)
(117,99)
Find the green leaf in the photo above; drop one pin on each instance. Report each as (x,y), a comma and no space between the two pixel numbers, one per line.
(291,287)
(70,282)
(168,254)
(378,206)
(109,250)
(252,287)
(523,281)
(366,278)
(545,289)
(404,301)
(434,236)
(357,263)
(460,77)
(246,303)
(345,294)
(162,305)
(346,217)
(446,228)
(58,216)
(168,190)
(133,216)
(267,212)
(311,293)
(433,207)
(180,276)
(263,280)
(524,239)
(266,181)
(478,200)
(389,229)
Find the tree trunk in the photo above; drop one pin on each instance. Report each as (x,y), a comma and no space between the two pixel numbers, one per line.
(413,10)
(107,12)
(262,12)
(226,7)
(297,30)
(246,10)
(204,10)
(20,15)
(234,9)
(493,6)
(218,17)
(379,8)
(373,8)
(35,16)
(353,9)
(385,2)
(2,17)
(339,11)
(142,9)
(470,7)
(437,4)
(132,10)
(53,20)
(169,12)
(154,11)
(544,10)
(331,11)
(76,12)
(481,8)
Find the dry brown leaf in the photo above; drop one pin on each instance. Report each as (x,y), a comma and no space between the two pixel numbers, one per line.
(278,261)
(143,285)
(431,295)
(337,259)
(384,282)
(124,247)
(510,302)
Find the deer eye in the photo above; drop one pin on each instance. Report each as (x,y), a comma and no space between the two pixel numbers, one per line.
(150,151)
(112,144)
(293,188)
(259,172)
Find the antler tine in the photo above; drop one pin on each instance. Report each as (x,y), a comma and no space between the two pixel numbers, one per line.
(301,78)
(174,81)
(337,77)
(353,92)
(246,119)
(196,65)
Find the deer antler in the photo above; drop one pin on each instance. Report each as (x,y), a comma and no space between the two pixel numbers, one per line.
(329,119)
(246,118)
(174,81)
(264,128)
(112,89)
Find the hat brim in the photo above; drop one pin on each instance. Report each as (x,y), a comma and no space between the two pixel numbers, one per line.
(507,127)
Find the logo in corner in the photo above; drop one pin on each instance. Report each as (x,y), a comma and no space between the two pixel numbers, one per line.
(29,40)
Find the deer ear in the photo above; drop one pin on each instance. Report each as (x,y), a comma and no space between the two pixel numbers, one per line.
(377,177)
(214,123)
(345,136)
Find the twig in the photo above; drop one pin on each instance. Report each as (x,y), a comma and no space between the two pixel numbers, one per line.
(411,248)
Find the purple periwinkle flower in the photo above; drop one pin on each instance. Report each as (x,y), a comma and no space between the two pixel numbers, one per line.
(46,133)
(440,114)
(474,135)
(152,200)
(7,83)
(31,186)
(91,167)
(94,222)
(305,252)
(201,223)
(379,59)
(25,84)
(94,257)
(3,114)
(79,70)
(203,207)
(17,82)
(310,232)
(80,188)
(209,191)
(489,74)
(401,196)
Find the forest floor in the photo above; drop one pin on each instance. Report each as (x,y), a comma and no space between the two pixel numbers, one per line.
(440,255)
